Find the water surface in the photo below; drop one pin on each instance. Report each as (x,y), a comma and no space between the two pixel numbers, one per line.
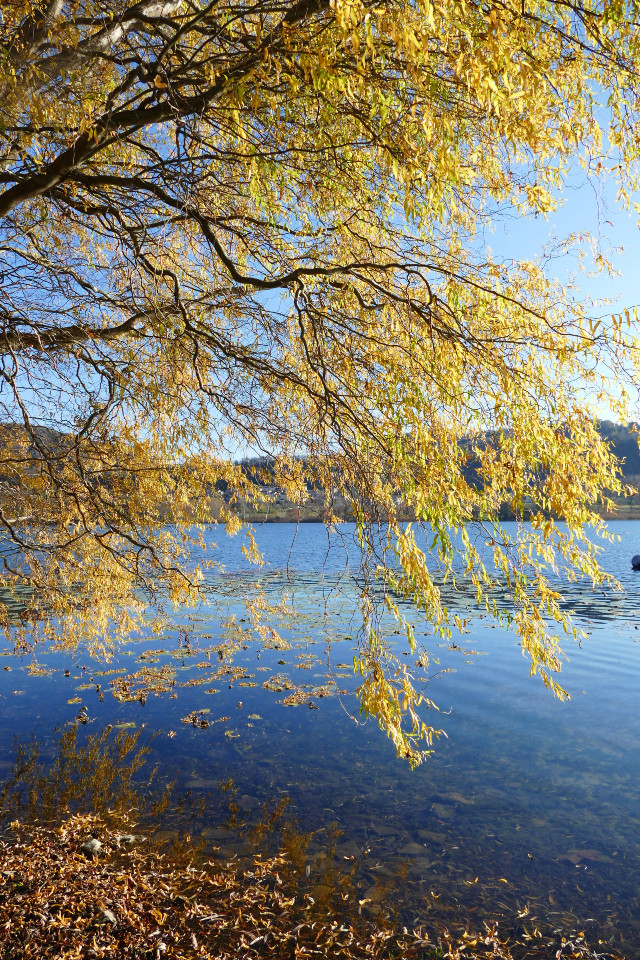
(528,810)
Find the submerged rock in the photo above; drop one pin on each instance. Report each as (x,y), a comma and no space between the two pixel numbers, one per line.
(635,562)
(413,849)
(442,812)
(348,851)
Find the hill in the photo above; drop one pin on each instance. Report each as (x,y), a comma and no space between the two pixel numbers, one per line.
(622,440)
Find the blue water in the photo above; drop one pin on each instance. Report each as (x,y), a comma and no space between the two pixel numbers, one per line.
(528,810)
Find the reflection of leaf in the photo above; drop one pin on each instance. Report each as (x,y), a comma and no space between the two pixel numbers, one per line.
(128,725)
(85,686)
(255,716)
(231,734)
(75,700)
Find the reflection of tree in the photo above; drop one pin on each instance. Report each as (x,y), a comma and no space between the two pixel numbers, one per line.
(143,903)
(99,774)
(286,896)
(309,864)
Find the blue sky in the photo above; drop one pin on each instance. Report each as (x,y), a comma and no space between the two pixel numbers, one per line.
(582,211)
(587,208)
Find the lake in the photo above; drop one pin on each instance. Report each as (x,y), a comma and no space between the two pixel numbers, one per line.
(528,811)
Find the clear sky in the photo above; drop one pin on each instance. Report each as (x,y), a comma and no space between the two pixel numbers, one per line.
(587,208)
(582,211)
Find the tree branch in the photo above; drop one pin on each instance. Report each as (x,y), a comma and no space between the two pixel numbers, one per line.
(14,339)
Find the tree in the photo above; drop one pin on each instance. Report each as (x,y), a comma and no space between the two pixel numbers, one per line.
(230,227)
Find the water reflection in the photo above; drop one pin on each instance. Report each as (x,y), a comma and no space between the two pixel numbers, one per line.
(101,774)
(527,813)
(357,865)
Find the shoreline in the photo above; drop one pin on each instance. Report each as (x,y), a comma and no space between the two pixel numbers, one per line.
(79,888)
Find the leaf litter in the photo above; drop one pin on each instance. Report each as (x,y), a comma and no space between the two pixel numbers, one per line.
(64,895)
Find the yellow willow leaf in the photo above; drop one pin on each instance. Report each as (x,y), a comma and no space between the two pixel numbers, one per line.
(230,235)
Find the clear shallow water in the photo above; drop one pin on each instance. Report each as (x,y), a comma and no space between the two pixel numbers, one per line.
(531,807)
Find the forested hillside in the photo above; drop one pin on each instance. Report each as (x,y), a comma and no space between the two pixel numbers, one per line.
(313,505)
(622,439)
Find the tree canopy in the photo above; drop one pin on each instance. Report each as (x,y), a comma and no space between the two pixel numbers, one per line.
(231,227)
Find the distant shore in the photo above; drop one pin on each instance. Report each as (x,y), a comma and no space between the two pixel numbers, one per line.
(314,511)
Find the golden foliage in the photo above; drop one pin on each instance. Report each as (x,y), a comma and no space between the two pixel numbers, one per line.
(231,227)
